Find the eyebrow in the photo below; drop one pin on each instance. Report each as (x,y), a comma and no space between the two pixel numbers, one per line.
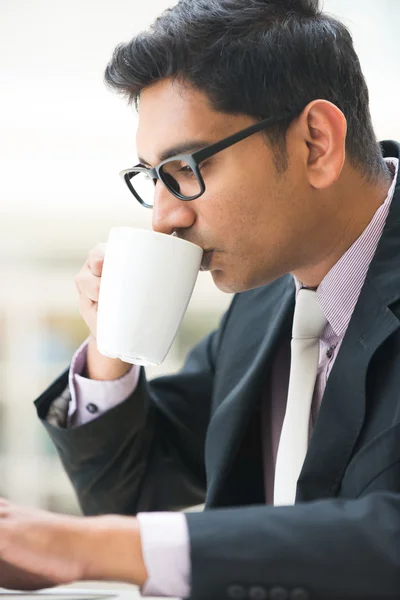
(183,148)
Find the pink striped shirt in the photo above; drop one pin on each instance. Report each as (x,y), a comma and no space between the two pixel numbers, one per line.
(165,539)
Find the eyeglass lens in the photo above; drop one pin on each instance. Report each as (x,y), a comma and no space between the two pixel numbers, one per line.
(177,175)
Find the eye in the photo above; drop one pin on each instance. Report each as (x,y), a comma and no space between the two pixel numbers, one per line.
(147,178)
(189,171)
(186,170)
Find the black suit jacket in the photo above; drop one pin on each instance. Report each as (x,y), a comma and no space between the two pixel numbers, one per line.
(195,436)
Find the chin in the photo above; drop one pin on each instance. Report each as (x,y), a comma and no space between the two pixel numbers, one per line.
(227,285)
(236,284)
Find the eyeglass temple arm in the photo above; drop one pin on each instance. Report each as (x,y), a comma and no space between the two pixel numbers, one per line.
(204,153)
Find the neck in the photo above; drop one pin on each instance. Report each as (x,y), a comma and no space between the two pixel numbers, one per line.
(354,206)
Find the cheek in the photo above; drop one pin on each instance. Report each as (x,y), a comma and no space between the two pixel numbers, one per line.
(240,207)
(230,218)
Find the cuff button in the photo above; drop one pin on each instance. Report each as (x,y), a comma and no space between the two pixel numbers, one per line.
(257,592)
(236,592)
(299,594)
(279,593)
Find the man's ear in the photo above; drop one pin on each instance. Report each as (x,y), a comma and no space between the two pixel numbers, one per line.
(323,127)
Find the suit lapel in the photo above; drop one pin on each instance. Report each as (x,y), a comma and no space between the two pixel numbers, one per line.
(231,418)
(342,412)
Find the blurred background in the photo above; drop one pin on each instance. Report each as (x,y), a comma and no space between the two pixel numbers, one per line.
(63,140)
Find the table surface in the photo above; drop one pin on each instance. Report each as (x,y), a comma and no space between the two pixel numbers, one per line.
(122,590)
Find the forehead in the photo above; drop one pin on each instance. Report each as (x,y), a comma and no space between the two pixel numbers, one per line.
(171,113)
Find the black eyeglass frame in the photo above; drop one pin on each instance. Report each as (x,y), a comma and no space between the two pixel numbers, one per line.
(194,159)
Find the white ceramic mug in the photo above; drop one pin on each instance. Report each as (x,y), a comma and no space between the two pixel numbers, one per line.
(146,284)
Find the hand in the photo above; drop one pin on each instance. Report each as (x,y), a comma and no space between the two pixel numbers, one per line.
(40,549)
(88,285)
(17,579)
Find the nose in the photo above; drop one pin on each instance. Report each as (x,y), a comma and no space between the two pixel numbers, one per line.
(170,213)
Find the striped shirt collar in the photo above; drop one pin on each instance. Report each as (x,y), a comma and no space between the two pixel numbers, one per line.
(338,292)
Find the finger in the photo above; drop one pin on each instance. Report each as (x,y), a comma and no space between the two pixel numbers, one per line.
(91,289)
(96,259)
(88,310)
(4,508)
(12,577)
(87,284)
(96,265)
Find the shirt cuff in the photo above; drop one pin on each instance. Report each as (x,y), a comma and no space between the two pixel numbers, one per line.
(166,554)
(91,398)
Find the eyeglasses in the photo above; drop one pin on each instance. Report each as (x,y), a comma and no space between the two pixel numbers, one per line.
(181,174)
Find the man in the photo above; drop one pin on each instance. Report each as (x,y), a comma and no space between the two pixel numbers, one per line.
(299,214)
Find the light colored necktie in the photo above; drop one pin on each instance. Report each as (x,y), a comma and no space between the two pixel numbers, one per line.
(308,324)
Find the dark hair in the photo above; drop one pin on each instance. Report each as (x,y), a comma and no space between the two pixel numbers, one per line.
(255,57)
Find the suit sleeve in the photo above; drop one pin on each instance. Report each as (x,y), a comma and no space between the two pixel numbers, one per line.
(147,453)
(323,550)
